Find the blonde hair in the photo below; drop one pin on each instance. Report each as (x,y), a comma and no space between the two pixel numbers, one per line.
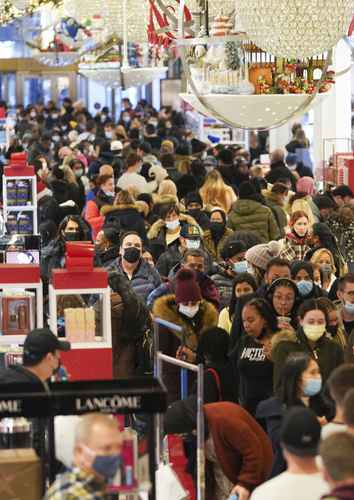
(106,170)
(215,192)
(124,198)
(69,175)
(167,187)
(317,256)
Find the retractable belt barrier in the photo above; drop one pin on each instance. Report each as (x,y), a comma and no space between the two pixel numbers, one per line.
(159,359)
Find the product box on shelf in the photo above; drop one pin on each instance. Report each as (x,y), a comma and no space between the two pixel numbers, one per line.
(21,473)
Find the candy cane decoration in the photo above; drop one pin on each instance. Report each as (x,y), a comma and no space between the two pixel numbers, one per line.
(167,22)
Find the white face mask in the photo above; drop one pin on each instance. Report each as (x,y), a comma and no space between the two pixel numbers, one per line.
(172,224)
(189,311)
(314,332)
(108,134)
(192,244)
(292,167)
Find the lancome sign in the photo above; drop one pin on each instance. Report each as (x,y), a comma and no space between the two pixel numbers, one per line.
(111,403)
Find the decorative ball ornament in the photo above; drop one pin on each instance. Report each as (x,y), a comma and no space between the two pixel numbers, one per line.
(295,29)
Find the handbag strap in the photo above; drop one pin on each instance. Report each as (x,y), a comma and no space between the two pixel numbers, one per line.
(217,380)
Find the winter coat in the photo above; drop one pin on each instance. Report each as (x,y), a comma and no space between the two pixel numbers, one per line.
(126,217)
(166,308)
(277,210)
(157,235)
(144,280)
(48,207)
(326,352)
(207,288)
(280,171)
(343,492)
(168,260)
(272,410)
(129,318)
(250,215)
(52,257)
(224,283)
(215,249)
(242,448)
(255,373)
(201,217)
(343,229)
(108,257)
(294,248)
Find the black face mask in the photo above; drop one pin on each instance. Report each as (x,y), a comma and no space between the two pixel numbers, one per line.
(217,229)
(332,330)
(132,255)
(194,212)
(72,236)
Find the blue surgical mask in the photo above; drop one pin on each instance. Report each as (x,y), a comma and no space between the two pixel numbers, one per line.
(305,287)
(312,386)
(106,465)
(240,267)
(349,308)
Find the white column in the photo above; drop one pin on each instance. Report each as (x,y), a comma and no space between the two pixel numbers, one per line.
(279,137)
(333,114)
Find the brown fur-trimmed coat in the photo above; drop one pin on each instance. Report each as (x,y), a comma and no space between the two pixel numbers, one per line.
(169,341)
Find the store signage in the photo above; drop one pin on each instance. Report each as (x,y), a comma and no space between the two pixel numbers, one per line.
(108,403)
(10,406)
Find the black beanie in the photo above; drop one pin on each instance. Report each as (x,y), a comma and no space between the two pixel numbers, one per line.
(193,197)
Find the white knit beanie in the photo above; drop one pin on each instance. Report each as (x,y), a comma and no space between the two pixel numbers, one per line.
(260,255)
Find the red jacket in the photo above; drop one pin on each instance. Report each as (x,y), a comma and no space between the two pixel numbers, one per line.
(243,449)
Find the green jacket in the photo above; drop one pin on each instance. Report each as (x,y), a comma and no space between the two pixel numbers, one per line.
(327,352)
(277,210)
(249,215)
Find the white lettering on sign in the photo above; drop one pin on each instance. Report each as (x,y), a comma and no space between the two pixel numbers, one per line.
(10,406)
(112,403)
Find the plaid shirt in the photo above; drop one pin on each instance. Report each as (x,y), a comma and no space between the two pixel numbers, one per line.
(293,251)
(75,484)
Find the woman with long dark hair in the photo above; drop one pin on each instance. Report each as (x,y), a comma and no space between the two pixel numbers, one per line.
(252,354)
(301,385)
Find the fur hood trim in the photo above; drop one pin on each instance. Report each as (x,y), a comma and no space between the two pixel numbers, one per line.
(159,224)
(283,336)
(166,308)
(106,209)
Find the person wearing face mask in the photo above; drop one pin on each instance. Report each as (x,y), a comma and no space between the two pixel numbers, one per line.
(187,309)
(104,196)
(335,327)
(164,234)
(72,228)
(232,264)
(190,238)
(324,258)
(301,386)
(109,131)
(311,338)
(97,457)
(197,261)
(243,284)
(302,273)
(194,206)
(297,241)
(82,181)
(345,295)
(129,263)
(215,237)
(251,353)
(41,358)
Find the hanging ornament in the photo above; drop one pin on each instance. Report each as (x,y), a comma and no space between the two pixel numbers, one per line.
(295,29)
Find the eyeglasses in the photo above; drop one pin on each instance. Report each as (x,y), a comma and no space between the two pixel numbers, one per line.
(281,298)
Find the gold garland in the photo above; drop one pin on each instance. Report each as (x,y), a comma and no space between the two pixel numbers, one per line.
(10,13)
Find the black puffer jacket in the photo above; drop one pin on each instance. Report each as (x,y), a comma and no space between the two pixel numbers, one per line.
(126,217)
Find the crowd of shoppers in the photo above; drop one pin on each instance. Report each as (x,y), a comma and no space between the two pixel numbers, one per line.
(253,267)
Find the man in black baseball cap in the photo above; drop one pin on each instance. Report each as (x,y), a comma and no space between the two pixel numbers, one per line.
(41,358)
(300,436)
